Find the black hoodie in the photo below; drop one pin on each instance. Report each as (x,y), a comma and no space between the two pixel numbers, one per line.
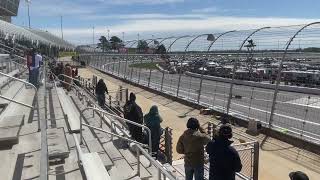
(224,160)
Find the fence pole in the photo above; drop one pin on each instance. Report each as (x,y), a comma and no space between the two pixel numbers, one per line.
(114,62)
(149,78)
(139,73)
(255,172)
(178,88)
(200,88)
(162,81)
(125,68)
(119,66)
(131,70)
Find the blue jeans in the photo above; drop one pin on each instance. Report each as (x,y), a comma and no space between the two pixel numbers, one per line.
(34,78)
(198,172)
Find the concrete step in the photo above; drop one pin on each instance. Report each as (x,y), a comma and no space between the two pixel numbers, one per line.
(70,110)
(95,146)
(93,167)
(132,160)
(9,130)
(57,144)
(121,168)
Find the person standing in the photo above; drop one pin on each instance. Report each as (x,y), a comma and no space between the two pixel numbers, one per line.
(101,89)
(191,143)
(67,79)
(152,120)
(35,67)
(134,113)
(224,159)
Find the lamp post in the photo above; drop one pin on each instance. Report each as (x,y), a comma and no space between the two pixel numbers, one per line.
(28,5)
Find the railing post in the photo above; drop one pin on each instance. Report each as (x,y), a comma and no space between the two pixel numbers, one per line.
(125,69)
(139,72)
(162,81)
(119,67)
(178,88)
(81,128)
(255,172)
(131,70)
(168,144)
(149,78)
(138,161)
(110,101)
(127,95)
(120,98)
(201,80)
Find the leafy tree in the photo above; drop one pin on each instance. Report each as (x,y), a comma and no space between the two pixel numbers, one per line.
(161,49)
(116,42)
(142,45)
(104,44)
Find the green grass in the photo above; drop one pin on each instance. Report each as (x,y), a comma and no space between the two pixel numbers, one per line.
(151,66)
(67,54)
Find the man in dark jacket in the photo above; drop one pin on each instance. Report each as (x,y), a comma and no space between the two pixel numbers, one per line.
(134,113)
(191,143)
(224,159)
(101,88)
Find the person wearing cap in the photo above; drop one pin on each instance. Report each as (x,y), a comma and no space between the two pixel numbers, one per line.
(298,175)
(133,112)
(224,159)
(191,143)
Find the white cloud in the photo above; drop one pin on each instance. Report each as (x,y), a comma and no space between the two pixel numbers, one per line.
(169,26)
(206,10)
(143,16)
(149,2)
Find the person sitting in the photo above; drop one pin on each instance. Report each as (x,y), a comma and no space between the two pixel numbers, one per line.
(152,120)
(298,175)
(191,143)
(101,89)
(224,159)
(133,112)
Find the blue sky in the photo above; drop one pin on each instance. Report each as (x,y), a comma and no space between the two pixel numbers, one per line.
(162,18)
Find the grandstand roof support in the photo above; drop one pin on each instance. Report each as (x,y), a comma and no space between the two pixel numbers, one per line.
(280,69)
(235,66)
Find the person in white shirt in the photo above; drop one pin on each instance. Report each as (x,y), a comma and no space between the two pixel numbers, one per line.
(34,68)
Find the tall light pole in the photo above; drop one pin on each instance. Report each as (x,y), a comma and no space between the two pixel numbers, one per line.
(93,39)
(108,34)
(61,27)
(122,36)
(28,5)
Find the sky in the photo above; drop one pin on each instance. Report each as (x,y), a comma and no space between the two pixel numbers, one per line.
(161,18)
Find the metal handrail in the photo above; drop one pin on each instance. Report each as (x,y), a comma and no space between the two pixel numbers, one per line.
(108,114)
(138,148)
(36,95)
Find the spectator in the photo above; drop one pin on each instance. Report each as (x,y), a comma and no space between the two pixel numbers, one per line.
(29,57)
(101,88)
(67,72)
(298,175)
(191,143)
(152,121)
(224,159)
(34,68)
(134,113)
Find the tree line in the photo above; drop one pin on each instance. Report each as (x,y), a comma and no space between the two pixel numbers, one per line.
(115,43)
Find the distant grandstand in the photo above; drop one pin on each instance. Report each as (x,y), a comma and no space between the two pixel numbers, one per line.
(8,8)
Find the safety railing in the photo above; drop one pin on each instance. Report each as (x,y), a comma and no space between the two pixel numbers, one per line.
(117,117)
(21,103)
(138,148)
